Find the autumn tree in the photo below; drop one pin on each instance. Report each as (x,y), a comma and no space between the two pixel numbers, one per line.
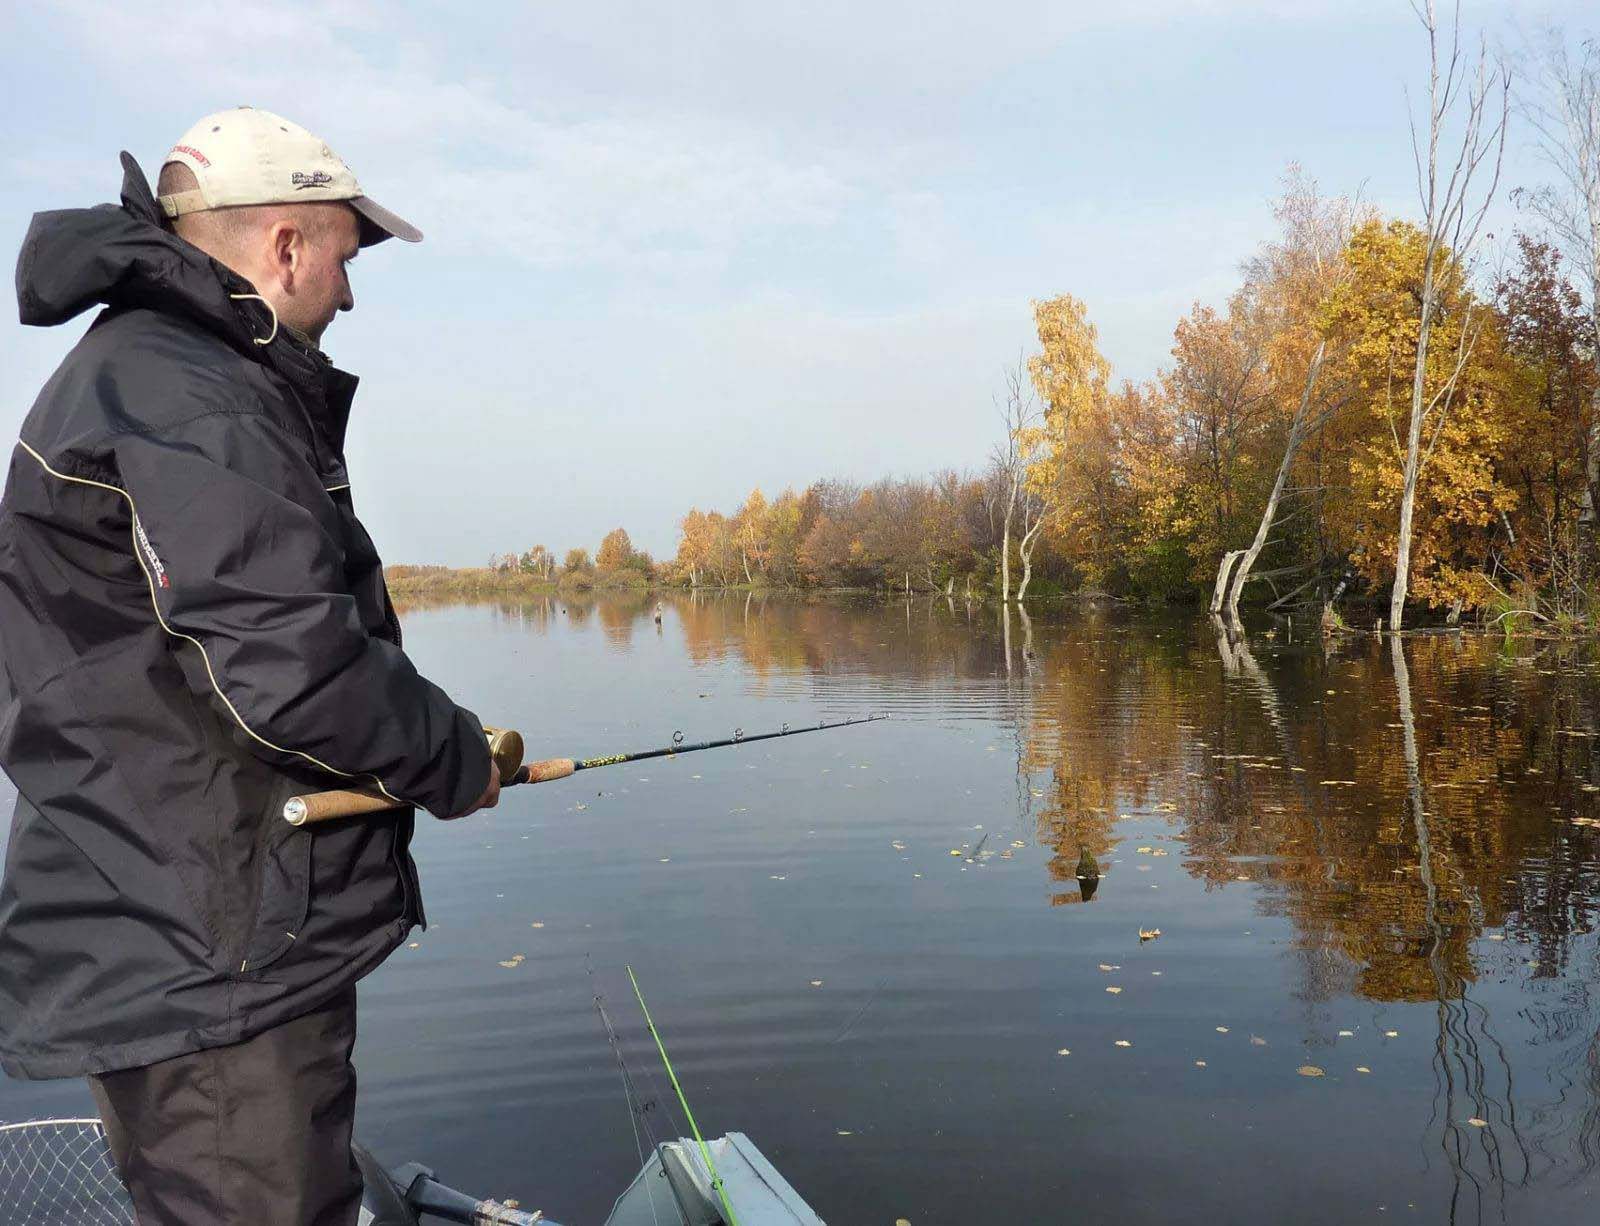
(1563,105)
(750,533)
(1076,473)
(537,561)
(1456,492)
(616,551)
(1453,211)
(1550,388)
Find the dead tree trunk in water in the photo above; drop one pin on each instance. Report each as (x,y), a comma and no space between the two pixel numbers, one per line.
(1224,577)
(1297,432)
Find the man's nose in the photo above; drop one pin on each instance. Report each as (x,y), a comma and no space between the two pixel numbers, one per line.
(348,302)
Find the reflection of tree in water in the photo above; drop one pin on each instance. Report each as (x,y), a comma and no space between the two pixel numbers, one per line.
(1386,831)
(1392,808)
(1459,1065)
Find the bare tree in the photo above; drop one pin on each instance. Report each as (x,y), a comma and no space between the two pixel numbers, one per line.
(1453,212)
(1013,457)
(1563,107)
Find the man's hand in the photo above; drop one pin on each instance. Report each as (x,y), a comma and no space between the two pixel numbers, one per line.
(490,797)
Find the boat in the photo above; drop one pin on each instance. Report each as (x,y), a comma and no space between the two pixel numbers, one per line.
(60,1173)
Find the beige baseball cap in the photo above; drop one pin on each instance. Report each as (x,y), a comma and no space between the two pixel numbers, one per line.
(250,156)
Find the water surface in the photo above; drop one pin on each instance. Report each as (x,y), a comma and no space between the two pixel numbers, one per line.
(1374,875)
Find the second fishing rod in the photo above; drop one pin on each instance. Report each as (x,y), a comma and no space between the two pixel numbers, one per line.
(506,747)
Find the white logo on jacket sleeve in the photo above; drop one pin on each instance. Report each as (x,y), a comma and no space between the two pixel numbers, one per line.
(156,569)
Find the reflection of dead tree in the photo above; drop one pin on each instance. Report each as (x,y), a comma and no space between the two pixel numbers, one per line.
(1460,1070)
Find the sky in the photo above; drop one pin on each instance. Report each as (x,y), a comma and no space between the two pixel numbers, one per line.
(677,251)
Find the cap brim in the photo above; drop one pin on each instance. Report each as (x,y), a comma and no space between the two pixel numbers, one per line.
(378,223)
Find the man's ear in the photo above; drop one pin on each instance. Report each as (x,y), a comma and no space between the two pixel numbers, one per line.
(286,252)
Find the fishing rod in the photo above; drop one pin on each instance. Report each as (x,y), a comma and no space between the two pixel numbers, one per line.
(506,748)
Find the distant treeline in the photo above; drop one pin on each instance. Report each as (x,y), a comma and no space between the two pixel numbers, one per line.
(1383,408)
(616,564)
(1277,434)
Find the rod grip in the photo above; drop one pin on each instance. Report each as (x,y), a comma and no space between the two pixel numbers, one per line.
(550,768)
(326,806)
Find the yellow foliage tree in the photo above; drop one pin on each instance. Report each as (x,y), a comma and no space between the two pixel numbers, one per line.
(1076,476)
(1372,314)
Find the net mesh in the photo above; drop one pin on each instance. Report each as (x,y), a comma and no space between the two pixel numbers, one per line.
(60,1173)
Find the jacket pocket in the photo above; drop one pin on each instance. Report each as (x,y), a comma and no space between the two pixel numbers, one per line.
(285,898)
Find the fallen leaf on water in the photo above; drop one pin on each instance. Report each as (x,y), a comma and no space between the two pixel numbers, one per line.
(1114,990)
(1106,966)
(536,924)
(1362,1068)
(1199,1064)
(1257,1041)
(1124,1043)
(955,851)
(1310,1070)
(1149,934)
(1222,1030)
(845,1132)
(778,876)
(1477,1123)
(1144,851)
(1063,1052)
(514,961)
(666,859)
(414,945)
(816,983)
(1347,1034)
(1391,1034)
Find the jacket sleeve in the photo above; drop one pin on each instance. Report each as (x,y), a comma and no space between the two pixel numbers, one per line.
(244,553)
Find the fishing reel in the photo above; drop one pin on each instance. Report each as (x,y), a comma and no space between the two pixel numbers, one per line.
(507,750)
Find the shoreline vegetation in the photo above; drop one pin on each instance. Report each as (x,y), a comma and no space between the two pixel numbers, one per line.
(1390,419)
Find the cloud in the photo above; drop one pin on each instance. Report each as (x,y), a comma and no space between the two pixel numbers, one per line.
(534,185)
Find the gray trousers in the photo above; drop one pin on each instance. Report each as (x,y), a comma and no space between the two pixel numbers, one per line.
(256,1134)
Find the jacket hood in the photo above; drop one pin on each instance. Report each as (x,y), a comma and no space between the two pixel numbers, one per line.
(123,256)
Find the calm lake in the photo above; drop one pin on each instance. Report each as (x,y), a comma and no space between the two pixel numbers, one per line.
(1373,995)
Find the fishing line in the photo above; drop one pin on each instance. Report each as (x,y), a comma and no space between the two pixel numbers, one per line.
(630,1091)
(705,1150)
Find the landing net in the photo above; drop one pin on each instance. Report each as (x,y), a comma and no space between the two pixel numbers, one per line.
(59,1173)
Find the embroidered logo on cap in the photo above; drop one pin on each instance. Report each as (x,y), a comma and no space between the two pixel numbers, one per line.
(315,178)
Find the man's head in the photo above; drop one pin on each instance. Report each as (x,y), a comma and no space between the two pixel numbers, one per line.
(296,255)
(275,204)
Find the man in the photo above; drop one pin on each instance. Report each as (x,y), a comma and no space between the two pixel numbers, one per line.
(194,627)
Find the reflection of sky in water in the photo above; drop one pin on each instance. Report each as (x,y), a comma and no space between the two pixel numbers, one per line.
(1265,804)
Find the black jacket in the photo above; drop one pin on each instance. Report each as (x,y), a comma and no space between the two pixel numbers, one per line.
(193,627)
